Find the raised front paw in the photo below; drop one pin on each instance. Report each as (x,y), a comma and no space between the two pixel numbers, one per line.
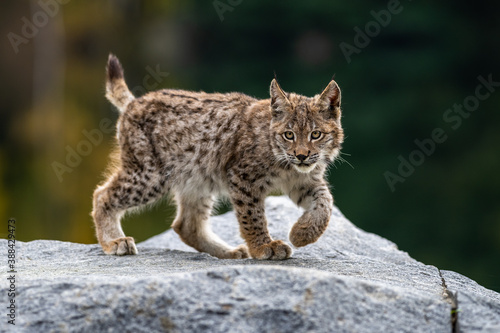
(275,250)
(304,234)
(120,246)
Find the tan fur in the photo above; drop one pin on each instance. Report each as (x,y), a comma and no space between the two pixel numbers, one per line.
(198,146)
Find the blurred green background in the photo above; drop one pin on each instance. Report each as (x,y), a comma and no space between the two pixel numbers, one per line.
(397,85)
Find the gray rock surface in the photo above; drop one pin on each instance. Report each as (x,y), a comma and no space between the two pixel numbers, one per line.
(348,281)
(478,307)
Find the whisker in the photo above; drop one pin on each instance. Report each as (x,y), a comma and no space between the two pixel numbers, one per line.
(281,160)
(341,159)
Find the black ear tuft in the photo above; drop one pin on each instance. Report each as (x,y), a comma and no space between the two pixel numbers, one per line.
(114,69)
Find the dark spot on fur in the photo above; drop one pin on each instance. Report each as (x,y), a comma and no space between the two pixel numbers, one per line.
(208,100)
(245,192)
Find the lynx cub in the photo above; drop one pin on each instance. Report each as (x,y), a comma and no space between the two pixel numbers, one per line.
(196,146)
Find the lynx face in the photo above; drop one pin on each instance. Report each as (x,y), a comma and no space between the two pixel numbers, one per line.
(306,131)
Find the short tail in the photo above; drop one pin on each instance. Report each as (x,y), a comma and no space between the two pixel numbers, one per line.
(117,91)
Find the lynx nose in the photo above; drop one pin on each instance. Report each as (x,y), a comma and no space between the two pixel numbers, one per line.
(301,157)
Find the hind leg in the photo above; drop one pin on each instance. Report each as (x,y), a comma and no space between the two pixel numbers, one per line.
(122,192)
(192,226)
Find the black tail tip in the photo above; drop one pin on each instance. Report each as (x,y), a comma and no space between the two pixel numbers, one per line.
(114,69)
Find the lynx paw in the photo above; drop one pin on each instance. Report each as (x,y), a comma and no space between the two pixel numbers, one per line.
(240,252)
(301,235)
(275,250)
(120,246)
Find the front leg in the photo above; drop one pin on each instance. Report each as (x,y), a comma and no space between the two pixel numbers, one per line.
(248,203)
(317,201)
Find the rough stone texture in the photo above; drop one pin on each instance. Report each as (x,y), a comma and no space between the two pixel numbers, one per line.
(349,281)
(478,307)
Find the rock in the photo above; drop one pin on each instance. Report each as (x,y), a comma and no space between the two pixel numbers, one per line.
(478,307)
(348,281)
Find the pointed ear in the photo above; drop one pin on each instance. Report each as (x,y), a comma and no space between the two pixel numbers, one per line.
(329,101)
(279,101)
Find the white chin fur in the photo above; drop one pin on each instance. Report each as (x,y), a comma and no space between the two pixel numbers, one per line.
(304,168)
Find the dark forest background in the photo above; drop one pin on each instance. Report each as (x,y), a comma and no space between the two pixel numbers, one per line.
(397,86)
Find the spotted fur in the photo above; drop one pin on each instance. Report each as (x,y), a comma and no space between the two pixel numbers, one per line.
(197,146)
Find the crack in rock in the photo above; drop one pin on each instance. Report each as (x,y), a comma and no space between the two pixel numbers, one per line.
(452,299)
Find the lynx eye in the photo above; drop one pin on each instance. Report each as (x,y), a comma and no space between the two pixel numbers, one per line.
(315,135)
(288,135)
